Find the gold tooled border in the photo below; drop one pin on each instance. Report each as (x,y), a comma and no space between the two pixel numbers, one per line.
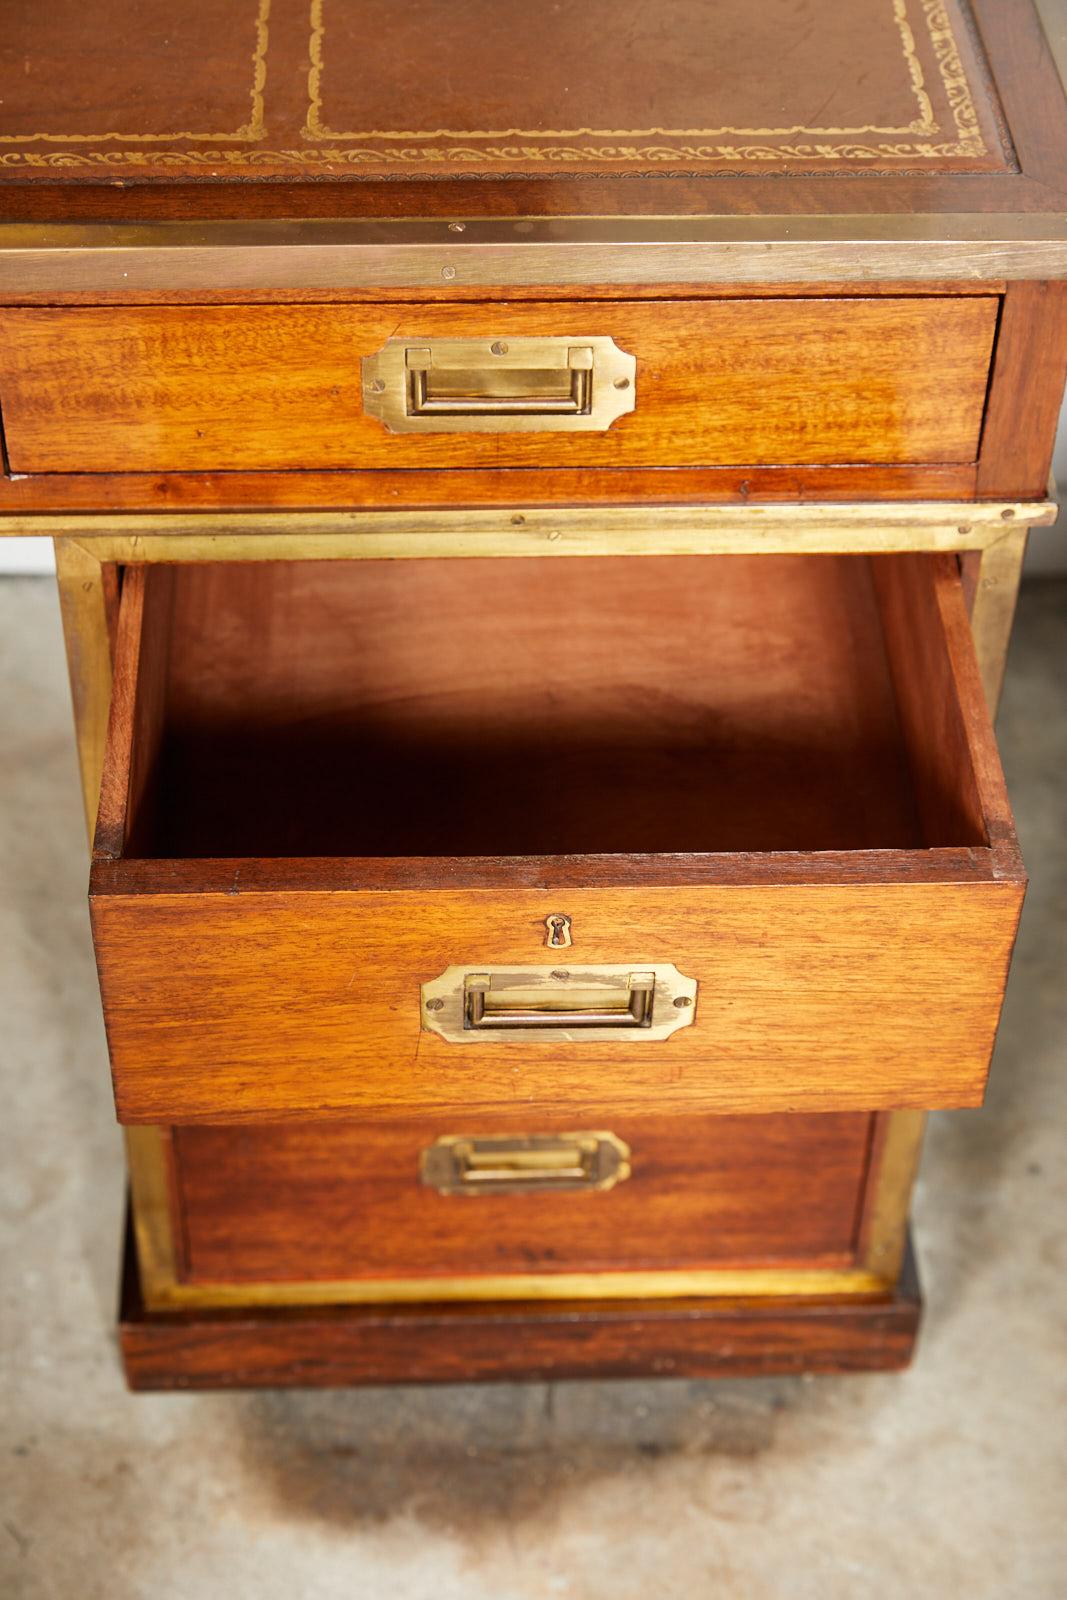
(254,128)
(326,149)
(946,51)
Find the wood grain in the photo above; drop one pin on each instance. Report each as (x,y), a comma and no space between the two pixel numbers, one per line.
(137,713)
(182,493)
(955,766)
(485,707)
(231,998)
(232,388)
(343,1201)
(1026,390)
(556,1340)
(227,1006)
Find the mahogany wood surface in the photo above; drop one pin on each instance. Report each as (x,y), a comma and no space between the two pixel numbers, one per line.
(482,690)
(1026,390)
(485,707)
(697,1338)
(514,487)
(304,1201)
(232,388)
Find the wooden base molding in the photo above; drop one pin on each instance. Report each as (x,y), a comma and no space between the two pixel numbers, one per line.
(324,1347)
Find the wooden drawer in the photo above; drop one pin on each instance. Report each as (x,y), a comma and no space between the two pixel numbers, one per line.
(348,1211)
(328,782)
(123,389)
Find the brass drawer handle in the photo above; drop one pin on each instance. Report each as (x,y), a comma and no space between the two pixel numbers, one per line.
(539,392)
(541,1002)
(526,1164)
(559,1005)
(499,386)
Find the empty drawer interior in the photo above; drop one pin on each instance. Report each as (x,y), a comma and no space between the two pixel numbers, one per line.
(510,707)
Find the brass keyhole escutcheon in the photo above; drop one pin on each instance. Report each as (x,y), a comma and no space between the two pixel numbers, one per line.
(559,931)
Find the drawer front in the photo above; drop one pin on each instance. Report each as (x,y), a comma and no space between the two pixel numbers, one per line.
(809,997)
(226,388)
(787,765)
(351,1204)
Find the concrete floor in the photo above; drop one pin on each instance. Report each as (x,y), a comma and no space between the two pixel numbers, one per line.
(950,1480)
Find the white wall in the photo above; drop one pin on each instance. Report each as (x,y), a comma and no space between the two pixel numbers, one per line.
(1047,552)
(26,555)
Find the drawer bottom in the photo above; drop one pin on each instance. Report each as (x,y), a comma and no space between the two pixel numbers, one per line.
(336,1346)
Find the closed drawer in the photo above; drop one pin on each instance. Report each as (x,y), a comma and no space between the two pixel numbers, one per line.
(225,388)
(347,1211)
(328,783)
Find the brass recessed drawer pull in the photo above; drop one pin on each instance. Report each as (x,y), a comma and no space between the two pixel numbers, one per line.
(500,385)
(530,1164)
(579,1003)
(558,1006)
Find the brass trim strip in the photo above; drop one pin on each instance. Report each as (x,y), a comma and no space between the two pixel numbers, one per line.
(743,1283)
(816,528)
(993,609)
(887,1223)
(422,255)
(83,609)
(154,1227)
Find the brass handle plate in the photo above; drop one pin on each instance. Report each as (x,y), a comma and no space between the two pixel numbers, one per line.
(539,1163)
(467,1004)
(499,386)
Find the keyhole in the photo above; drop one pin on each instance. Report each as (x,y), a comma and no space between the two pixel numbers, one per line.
(559,931)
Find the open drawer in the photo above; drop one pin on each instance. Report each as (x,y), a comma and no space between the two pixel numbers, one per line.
(338,796)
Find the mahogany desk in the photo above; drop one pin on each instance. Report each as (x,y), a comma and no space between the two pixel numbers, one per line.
(538,510)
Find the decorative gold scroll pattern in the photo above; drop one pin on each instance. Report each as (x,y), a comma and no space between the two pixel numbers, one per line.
(967,141)
(919,141)
(254,128)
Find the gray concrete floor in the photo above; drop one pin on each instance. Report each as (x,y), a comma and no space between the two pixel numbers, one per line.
(949,1480)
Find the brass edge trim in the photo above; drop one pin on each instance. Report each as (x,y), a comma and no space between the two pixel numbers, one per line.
(996,592)
(517,530)
(83,610)
(531,251)
(150,1206)
(756,1282)
(887,1223)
